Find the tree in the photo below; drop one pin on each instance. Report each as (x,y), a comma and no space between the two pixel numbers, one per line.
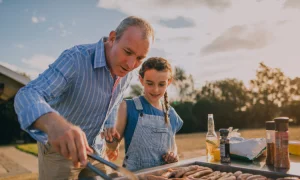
(226,99)
(270,91)
(136,90)
(230,91)
(184,84)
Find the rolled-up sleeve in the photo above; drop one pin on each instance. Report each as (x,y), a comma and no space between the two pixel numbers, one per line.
(31,101)
(111,120)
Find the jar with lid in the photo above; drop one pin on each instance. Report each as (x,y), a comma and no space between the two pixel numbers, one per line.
(281,158)
(224,146)
(270,133)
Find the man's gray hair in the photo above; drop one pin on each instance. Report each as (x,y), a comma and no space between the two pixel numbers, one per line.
(135,21)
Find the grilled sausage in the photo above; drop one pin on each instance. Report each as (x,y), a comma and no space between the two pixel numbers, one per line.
(237,173)
(152,177)
(200,173)
(254,177)
(244,176)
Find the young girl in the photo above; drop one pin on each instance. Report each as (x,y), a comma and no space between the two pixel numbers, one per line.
(147,124)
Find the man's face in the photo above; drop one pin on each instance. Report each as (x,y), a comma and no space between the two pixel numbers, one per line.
(128,52)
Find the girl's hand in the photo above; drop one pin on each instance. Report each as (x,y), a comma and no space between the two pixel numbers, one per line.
(170,157)
(112,154)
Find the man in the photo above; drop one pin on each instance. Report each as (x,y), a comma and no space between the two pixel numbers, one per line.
(65,107)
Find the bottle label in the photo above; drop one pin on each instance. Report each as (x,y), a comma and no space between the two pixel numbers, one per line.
(222,150)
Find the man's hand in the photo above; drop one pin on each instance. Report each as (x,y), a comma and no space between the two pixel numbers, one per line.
(68,140)
(170,157)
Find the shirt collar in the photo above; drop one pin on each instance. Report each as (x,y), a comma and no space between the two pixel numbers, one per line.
(100,59)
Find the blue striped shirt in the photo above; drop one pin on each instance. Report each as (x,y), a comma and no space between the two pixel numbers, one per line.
(79,87)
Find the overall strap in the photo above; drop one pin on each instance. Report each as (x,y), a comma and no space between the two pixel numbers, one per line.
(138,105)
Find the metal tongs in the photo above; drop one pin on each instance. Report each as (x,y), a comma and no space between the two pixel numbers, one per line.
(112,165)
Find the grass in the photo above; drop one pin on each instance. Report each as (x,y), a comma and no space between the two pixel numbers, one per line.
(28,148)
(188,145)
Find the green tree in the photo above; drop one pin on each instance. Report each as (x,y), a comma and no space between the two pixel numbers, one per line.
(226,99)
(270,91)
(136,90)
(184,84)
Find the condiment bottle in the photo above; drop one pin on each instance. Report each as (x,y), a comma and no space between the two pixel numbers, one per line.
(281,159)
(224,146)
(270,132)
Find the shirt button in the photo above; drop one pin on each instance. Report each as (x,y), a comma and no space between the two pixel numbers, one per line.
(124,165)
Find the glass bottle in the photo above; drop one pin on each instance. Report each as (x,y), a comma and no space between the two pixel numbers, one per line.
(281,158)
(212,143)
(270,133)
(224,146)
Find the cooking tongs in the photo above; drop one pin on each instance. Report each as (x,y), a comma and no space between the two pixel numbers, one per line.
(112,165)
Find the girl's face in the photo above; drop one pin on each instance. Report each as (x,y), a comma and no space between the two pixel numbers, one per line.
(155,84)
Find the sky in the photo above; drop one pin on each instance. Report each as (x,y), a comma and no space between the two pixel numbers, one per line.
(210,39)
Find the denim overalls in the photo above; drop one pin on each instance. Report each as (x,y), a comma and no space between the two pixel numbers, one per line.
(151,139)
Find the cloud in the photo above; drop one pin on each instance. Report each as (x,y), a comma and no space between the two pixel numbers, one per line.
(21,46)
(182,39)
(157,52)
(178,22)
(237,37)
(61,25)
(256,37)
(74,22)
(39,61)
(36,19)
(282,22)
(292,4)
(63,32)
(50,28)
(32,73)
(166,4)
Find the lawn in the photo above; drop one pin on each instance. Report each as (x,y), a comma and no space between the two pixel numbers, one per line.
(189,145)
(29,148)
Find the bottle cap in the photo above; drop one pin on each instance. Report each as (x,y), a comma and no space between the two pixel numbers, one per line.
(224,132)
(281,123)
(270,125)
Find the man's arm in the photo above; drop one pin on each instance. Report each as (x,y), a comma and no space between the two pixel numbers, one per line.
(31,102)
(112,149)
(44,123)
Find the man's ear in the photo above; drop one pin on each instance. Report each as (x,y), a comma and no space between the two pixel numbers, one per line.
(112,36)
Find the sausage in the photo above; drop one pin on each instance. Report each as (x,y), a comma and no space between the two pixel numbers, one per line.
(237,173)
(200,173)
(211,175)
(254,177)
(190,172)
(152,177)
(244,176)
(168,173)
(180,171)
(232,177)
(217,176)
(226,176)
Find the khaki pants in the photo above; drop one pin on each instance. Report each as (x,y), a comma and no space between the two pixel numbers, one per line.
(53,166)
